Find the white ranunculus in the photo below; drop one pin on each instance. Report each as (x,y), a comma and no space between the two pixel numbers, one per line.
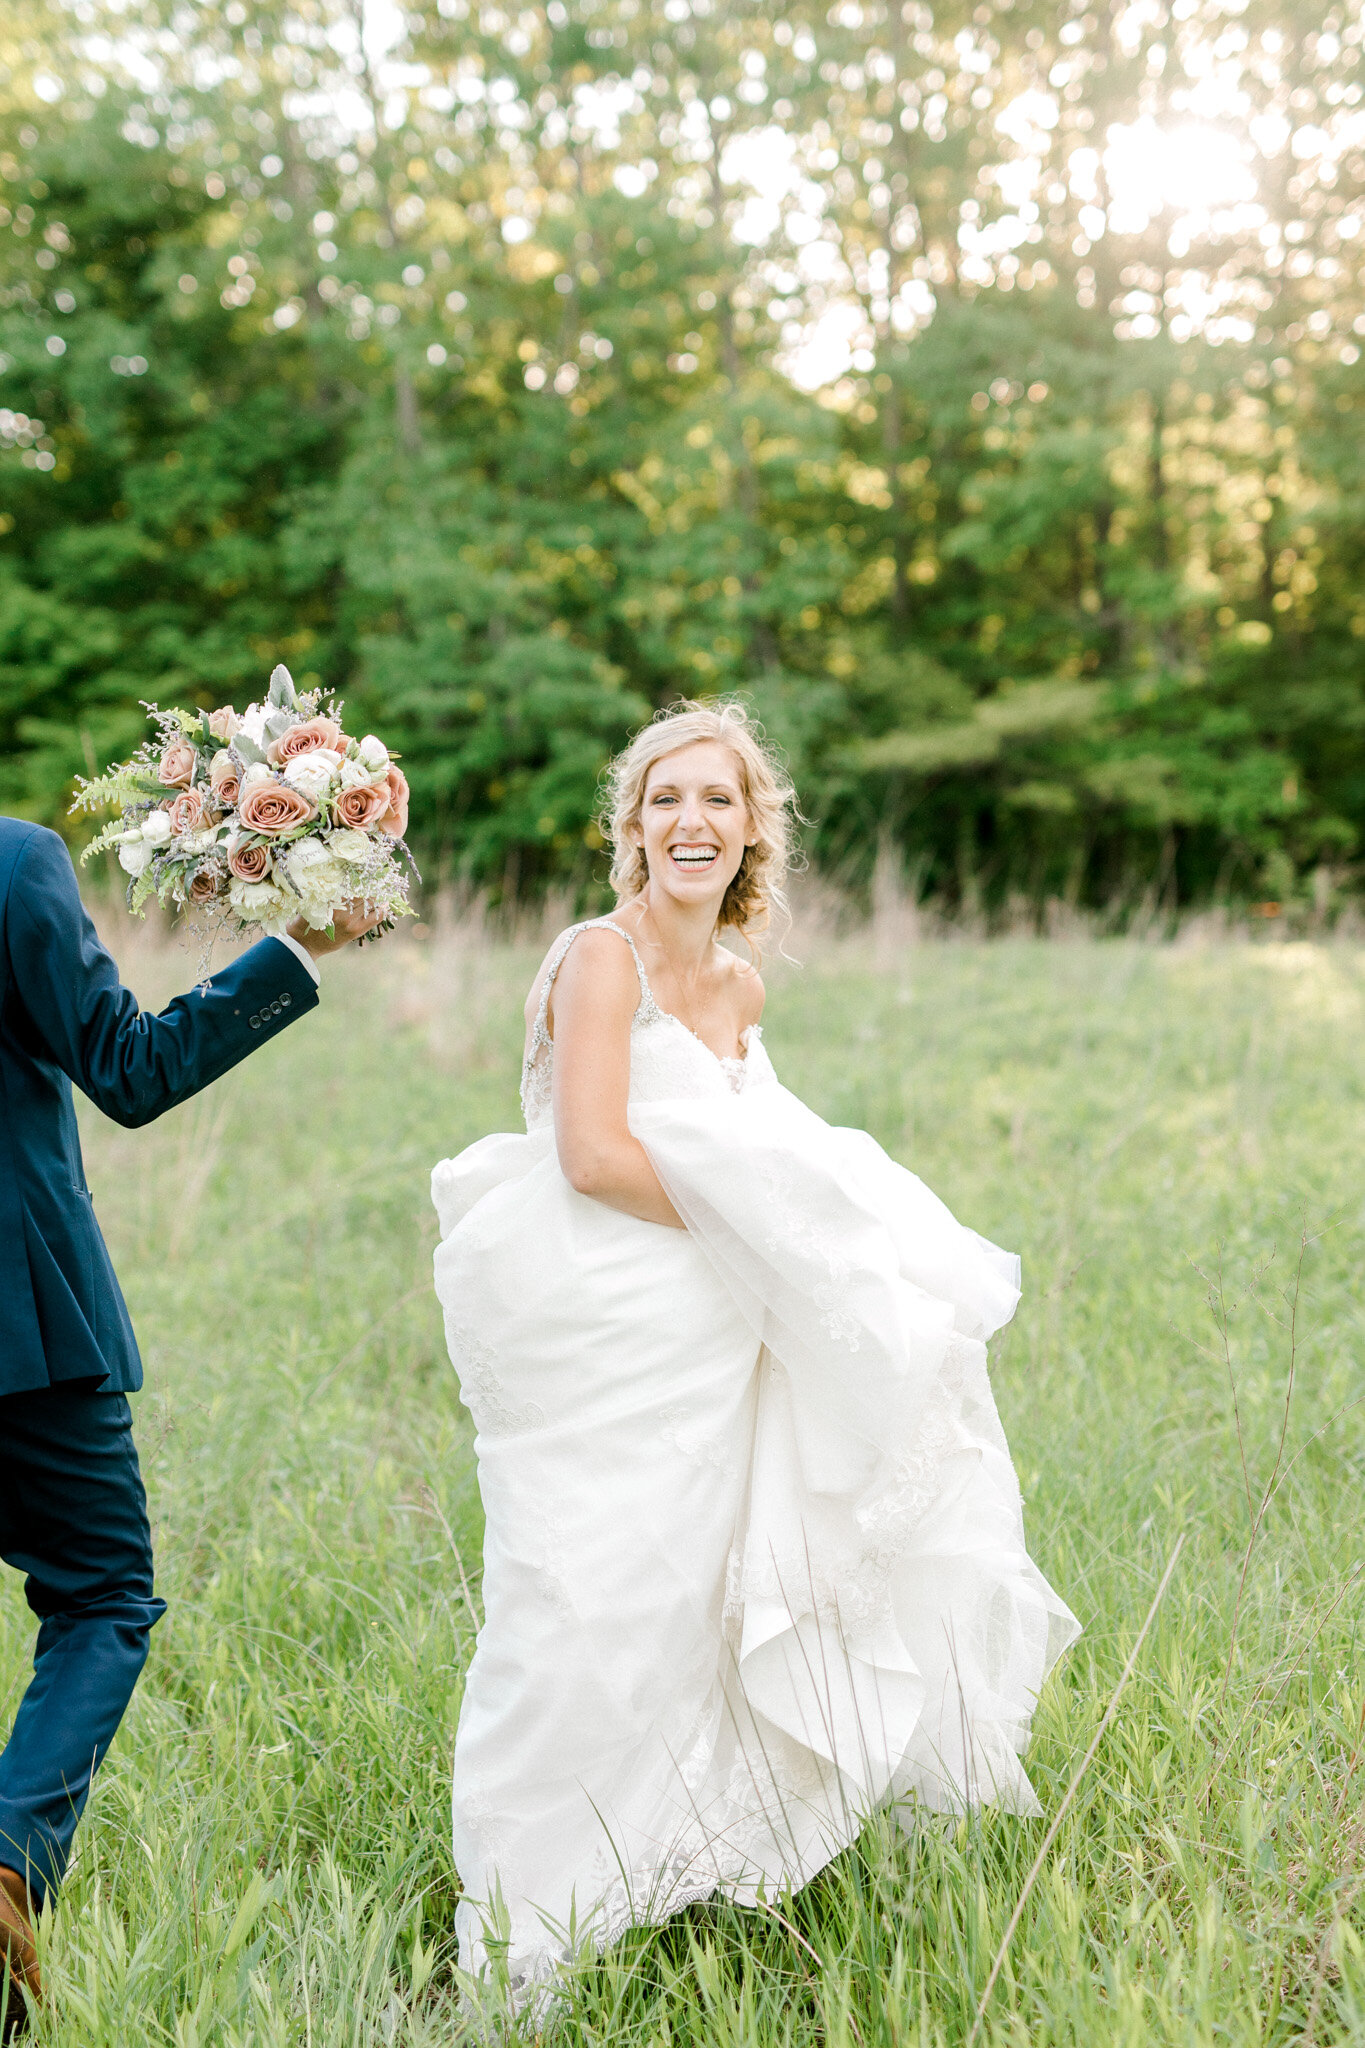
(256,772)
(349,845)
(134,855)
(156,829)
(311,774)
(374,753)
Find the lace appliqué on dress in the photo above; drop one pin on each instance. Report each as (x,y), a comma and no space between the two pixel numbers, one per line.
(481,1387)
(679,1426)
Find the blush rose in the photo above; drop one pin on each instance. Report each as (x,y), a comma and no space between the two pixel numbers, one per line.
(190,810)
(362,808)
(224,778)
(306,739)
(395,819)
(204,887)
(223,723)
(177,765)
(274,808)
(249,861)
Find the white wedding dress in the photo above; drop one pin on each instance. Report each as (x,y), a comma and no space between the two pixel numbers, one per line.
(755,1557)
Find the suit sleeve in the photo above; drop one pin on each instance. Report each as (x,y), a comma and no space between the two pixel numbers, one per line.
(134,1065)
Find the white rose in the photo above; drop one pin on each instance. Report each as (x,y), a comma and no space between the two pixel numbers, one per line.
(257,772)
(134,855)
(311,774)
(355,775)
(349,845)
(374,753)
(156,830)
(200,842)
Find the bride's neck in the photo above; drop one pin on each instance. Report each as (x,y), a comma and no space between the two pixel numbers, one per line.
(685,932)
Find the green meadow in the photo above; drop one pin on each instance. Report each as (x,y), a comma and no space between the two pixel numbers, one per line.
(1172,1137)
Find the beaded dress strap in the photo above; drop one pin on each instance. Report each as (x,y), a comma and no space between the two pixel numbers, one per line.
(646,1012)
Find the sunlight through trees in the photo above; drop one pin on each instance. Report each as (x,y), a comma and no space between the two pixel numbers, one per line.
(978,387)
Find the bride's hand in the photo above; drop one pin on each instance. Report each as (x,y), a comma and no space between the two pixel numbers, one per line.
(595,997)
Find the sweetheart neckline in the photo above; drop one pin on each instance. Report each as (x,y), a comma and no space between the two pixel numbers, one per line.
(722,1059)
(650,1001)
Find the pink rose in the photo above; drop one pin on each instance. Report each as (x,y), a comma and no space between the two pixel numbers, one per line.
(274,808)
(395,819)
(177,765)
(306,739)
(225,778)
(362,808)
(190,811)
(223,723)
(204,887)
(249,861)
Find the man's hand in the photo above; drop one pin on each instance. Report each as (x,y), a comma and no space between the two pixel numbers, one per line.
(351,922)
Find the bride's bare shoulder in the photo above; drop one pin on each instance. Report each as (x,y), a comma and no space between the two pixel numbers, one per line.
(595,962)
(746,985)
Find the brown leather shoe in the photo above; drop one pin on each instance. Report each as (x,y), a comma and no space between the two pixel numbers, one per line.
(19,1971)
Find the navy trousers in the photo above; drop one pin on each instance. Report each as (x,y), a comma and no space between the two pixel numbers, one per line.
(73,1519)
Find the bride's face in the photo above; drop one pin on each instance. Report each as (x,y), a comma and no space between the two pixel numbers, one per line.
(694,823)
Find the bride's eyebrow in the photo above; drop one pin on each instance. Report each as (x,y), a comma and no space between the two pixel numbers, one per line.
(709,789)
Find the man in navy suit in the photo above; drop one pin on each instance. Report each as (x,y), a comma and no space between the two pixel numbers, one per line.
(73,1514)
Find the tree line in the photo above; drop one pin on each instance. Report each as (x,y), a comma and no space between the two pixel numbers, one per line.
(975,387)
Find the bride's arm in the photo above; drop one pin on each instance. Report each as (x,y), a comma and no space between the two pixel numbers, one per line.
(595,997)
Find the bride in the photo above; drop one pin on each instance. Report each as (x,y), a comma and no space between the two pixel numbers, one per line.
(755,1558)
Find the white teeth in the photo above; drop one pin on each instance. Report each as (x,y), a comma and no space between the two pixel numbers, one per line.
(692,856)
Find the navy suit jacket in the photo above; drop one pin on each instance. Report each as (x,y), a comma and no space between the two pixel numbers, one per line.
(64,1017)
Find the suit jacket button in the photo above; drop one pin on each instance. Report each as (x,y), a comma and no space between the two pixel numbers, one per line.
(286,1000)
(254,1022)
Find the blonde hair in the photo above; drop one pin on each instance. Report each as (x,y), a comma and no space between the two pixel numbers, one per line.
(757,890)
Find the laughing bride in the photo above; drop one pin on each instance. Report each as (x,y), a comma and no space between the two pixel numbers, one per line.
(755,1557)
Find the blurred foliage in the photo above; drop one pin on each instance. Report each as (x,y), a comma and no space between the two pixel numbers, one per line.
(465,374)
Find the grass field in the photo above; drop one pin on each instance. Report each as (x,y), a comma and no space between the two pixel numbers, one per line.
(266,1858)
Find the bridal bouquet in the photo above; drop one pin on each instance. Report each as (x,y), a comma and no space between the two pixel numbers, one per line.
(248,822)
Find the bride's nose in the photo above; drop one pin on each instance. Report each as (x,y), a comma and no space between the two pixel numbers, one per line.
(693,816)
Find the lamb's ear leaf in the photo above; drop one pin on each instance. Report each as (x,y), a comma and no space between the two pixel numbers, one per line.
(277,723)
(282,691)
(246,748)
